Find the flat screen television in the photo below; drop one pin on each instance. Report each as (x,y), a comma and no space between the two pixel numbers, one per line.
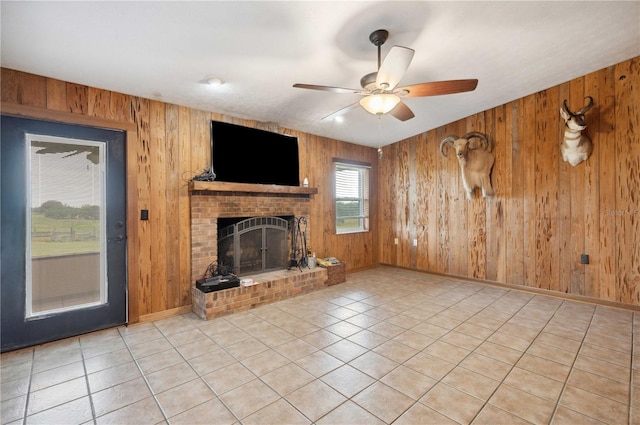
(249,155)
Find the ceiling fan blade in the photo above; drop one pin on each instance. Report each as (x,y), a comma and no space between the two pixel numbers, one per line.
(340,112)
(437,88)
(329,88)
(402,112)
(393,67)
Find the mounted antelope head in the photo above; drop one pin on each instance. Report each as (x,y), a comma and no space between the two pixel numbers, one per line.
(575,147)
(475,161)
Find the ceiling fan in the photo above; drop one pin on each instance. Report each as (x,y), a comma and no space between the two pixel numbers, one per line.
(380,90)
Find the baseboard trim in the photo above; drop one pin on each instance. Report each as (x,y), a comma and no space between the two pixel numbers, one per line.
(529,289)
(164,314)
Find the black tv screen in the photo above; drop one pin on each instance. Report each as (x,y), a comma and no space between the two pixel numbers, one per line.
(249,155)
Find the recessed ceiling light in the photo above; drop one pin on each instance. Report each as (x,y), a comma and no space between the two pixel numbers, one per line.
(339,118)
(214,81)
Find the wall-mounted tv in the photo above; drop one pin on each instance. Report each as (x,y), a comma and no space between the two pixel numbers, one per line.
(249,155)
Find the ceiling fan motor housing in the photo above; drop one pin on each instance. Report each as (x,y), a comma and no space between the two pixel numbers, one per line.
(368,82)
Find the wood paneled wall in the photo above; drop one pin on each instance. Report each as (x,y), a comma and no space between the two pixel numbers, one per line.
(168,145)
(545,212)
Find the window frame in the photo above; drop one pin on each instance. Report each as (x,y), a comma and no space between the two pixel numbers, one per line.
(363,197)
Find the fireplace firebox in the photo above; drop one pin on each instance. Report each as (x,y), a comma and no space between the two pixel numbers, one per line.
(254,245)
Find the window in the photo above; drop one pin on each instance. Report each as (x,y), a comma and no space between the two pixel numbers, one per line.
(352,197)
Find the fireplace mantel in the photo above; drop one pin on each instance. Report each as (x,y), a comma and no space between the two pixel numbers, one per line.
(202,186)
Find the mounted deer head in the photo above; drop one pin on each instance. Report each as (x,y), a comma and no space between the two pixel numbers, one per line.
(575,147)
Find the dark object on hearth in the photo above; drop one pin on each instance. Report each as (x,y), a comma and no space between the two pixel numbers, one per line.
(216,278)
(217,283)
(207,175)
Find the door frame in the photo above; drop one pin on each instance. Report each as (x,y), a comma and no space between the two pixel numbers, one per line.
(131,130)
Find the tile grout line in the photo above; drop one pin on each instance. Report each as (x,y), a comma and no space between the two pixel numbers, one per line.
(146,381)
(573,363)
(28,396)
(631,387)
(86,379)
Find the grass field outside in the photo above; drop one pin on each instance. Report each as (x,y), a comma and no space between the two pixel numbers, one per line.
(63,236)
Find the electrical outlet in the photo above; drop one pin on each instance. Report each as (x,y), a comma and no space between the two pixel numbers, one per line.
(415,242)
(395,241)
(584,259)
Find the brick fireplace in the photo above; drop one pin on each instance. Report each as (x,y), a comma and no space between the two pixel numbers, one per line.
(213,200)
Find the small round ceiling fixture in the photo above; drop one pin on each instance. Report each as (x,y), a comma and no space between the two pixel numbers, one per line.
(214,81)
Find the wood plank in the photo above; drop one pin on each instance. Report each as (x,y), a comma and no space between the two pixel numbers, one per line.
(607,241)
(158,206)
(172,206)
(627,208)
(9,84)
(184,206)
(403,204)
(323,152)
(445,187)
(385,202)
(425,214)
(142,170)
(133,229)
(565,253)
(499,206)
(514,250)
(120,107)
(413,211)
(77,98)
(547,189)
(459,212)
(592,190)
(432,208)
(476,218)
(577,201)
(26,89)
(99,103)
(493,227)
(56,95)
(529,195)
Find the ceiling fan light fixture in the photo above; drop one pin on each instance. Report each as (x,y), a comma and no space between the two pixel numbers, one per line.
(378,104)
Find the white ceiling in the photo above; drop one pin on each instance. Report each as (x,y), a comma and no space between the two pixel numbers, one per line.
(164,50)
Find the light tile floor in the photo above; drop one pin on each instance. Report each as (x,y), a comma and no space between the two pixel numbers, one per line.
(388,346)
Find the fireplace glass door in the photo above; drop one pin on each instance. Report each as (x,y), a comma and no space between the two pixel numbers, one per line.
(254,245)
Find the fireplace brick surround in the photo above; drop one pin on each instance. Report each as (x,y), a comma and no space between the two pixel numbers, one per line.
(213,200)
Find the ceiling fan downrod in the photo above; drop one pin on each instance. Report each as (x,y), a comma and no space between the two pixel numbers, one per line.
(377,38)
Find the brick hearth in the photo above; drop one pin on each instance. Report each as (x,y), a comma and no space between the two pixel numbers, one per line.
(270,287)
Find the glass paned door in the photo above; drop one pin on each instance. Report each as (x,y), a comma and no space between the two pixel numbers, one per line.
(63,250)
(65,225)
